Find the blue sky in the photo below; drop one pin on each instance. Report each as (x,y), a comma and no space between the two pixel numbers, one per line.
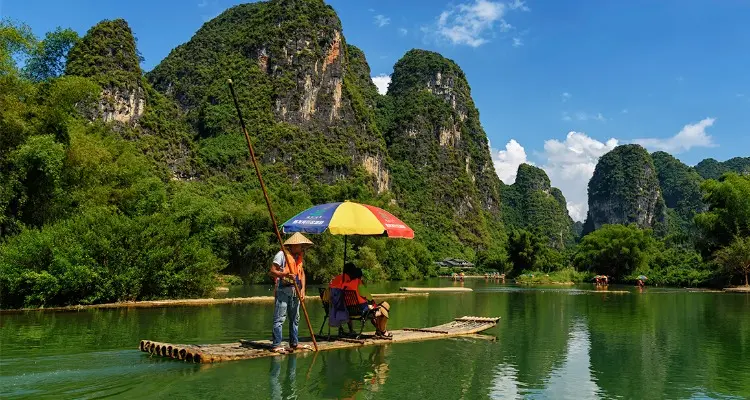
(557,83)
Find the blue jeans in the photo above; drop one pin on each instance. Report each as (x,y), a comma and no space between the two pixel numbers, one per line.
(286,304)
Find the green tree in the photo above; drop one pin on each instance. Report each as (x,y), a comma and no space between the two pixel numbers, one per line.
(735,258)
(14,40)
(531,251)
(47,59)
(728,212)
(615,250)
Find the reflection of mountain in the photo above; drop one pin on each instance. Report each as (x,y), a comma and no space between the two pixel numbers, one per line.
(573,379)
(677,345)
(538,326)
(505,384)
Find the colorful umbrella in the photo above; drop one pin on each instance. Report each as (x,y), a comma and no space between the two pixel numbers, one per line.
(348,218)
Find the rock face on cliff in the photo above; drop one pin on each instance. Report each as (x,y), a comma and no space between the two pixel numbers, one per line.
(625,190)
(532,204)
(441,160)
(300,85)
(107,53)
(712,169)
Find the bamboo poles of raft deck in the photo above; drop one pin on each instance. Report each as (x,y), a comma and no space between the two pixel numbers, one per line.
(467,327)
(270,209)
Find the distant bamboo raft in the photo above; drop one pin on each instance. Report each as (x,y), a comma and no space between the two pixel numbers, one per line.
(193,302)
(435,289)
(245,349)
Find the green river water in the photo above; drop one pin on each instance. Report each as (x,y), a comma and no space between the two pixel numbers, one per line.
(552,342)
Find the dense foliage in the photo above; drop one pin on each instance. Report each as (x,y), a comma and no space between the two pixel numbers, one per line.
(679,183)
(47,60)
(107,52)
(625,189)
(614,250)
(712,169)
(735,257)
(728,214)
(531,203)
(441,167)
(95,212)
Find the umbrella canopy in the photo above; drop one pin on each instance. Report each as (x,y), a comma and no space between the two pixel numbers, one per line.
(348,218)
(642,277)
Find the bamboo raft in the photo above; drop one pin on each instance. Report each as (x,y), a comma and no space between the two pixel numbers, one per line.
(193,302)
(246,349)
(435,289)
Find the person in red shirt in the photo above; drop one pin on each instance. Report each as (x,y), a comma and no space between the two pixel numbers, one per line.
(351,279)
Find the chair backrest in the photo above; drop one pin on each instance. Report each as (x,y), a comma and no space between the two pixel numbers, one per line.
(352,303)
(351,298)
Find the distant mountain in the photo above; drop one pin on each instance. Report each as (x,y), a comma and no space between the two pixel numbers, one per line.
(532,204)
(442,166)
(300,85)
(625,189)
(712,169)
(107,55)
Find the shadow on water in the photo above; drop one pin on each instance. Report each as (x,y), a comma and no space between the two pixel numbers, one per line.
(552,342)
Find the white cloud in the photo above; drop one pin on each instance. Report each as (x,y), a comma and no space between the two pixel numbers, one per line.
(469,23)
(505,26)
(566,96)
(382,81)
(403,31)
(517,42)
(624,111)
(519,5)
(507,161)
(570,165)
(691,135)
(382,20)
(582,116)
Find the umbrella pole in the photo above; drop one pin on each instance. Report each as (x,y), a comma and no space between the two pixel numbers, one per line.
(270,209)
(345,236)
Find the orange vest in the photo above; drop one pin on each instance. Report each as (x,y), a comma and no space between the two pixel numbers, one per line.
(296,266)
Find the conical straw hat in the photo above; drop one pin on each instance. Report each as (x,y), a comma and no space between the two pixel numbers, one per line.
(298,238)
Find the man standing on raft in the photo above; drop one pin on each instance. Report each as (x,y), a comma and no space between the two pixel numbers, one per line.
(287,267)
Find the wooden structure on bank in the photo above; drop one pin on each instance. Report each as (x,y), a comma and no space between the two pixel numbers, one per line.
(245,349)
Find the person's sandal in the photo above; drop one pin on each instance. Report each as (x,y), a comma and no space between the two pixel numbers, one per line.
(279,350)
(384,335)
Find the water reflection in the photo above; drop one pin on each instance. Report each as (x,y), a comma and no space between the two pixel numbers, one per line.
(341,374)
(573,380)
(283,387)
(551,343)
(570,380)
(505,384)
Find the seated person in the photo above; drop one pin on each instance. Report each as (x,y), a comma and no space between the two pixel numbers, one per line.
(351,279)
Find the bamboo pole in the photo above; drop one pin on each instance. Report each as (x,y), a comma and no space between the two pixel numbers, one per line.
(270,209)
